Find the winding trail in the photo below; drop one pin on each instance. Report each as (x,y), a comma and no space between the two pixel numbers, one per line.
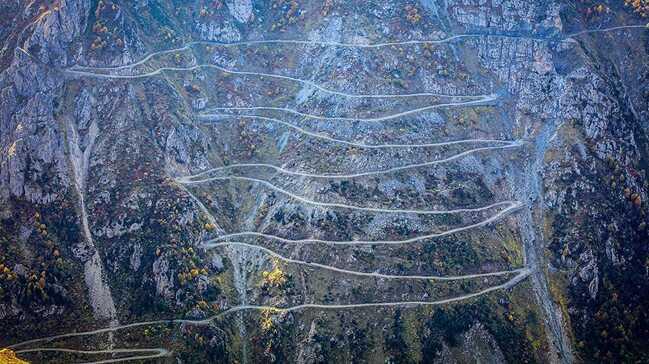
(78,71)
(362,274)
(482,101)
(351,207)
(157,353)
(353,144)
(191,180)
(189,45)
(513,206)
(201,206)
(604,30)
(88,71)
(509,284)
(521,273)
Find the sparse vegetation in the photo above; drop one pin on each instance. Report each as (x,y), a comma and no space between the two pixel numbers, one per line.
(639,6)
(289,14)
(412,14)
(148,231)
(266,320)
(104,36)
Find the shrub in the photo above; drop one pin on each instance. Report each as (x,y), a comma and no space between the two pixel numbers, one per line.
(639,6)
(275,277)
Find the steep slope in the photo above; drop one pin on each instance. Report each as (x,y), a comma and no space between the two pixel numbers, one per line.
(287,181)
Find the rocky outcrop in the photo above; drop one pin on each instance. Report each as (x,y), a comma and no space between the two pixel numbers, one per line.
(241,10)
(298,148)
(44,153)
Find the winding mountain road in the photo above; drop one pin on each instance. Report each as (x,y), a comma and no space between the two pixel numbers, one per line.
(157,353)
(353,144)
(351,207)
(350,143)
(520,274)
(76,71)
(362,274)
(509,284)
(191,180)
(483,100)
(513,206)
(189,45)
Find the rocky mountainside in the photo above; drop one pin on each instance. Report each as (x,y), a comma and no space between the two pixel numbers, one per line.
(242,181)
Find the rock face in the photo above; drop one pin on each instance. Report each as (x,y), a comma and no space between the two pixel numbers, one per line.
(241,10)
(330,181)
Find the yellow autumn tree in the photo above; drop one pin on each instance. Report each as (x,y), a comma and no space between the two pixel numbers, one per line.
(275,277)
(7,356)
(266,320)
